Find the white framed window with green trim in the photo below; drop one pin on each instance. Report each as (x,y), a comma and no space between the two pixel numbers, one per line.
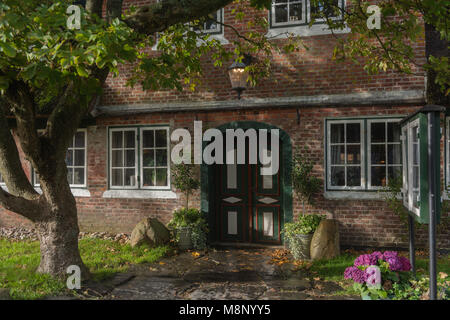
(76,162)
(362,154)
(139,158)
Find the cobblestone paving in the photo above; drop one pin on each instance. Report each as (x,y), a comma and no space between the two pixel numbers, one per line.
(233,274)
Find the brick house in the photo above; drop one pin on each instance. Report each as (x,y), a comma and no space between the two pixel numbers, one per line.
(119,162)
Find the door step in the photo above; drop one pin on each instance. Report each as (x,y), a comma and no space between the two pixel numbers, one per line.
(246,245)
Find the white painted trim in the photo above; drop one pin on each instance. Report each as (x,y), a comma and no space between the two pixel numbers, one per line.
(77,193)
(369,151)
(354,195)
(136,146)
(303,31)
(409,202)
(141,160)
(288,24)
(363,157)
(140,194)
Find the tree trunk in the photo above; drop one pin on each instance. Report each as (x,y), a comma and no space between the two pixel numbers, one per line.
(58,235)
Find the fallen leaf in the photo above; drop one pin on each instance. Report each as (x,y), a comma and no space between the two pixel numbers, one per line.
(195,254)
(443,275)
(162,263)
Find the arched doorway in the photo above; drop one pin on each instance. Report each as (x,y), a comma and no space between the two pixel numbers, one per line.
(250,209)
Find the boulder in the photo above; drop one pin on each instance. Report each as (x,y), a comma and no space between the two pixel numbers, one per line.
(150,231)
(4,294)
(325,241)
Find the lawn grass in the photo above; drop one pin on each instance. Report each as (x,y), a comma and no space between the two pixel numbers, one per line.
(104,258)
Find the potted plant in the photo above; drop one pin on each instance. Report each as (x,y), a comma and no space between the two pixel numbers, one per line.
(298,234)
(189,224)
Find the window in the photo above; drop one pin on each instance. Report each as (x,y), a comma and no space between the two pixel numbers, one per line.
(76,159)
(384,152)
(345,149)
(349,141)
(285,13)
(139,158)
(411,173)
(213,25)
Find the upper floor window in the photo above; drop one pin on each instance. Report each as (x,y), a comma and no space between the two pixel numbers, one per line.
(213,25)
(362,154)
(76,159)
(286,13)
(139,158)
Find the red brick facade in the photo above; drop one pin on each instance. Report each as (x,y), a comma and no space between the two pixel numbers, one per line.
(304,73)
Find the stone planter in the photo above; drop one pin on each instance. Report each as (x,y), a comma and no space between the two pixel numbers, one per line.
(300,246)
(184,238)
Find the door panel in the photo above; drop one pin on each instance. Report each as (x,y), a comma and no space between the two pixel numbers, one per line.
(248,204)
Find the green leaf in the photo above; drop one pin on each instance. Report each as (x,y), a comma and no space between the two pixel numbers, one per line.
(8,50)
(81,70)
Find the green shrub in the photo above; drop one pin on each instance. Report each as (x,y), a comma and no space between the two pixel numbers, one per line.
(305,224)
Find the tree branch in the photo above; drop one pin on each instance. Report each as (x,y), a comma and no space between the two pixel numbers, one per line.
(157,17)
(30,209)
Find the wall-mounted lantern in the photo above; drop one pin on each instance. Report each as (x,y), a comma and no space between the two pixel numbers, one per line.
(238,75)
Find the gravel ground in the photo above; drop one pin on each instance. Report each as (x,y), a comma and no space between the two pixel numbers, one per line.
(19,233)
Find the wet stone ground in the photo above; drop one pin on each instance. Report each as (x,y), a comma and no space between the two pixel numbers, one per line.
(231,274)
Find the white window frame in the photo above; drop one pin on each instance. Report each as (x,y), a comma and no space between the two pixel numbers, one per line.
(447,152)
(85,159)
(363,158)
(74,186)
(141,158)
(274,24)
(110,150)
(408,191)
(369,151)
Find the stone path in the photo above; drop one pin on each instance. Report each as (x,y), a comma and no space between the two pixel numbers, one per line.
(232,274)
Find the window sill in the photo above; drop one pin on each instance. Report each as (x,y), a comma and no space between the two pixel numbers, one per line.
(140,194)
(304,31)
(77,192)
(219,37)
(354,195)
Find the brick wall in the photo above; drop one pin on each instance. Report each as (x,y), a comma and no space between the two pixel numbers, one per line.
(362,222)
(302,73)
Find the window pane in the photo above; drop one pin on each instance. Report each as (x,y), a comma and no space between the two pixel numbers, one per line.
(394,173)
(130,177)
(354,176)
(161,177)
(130,158)
(130,139)
(117,158)
(378,154)
(117,176)
(337,155)
(295,12)
(281,13)
(415,153)
(149,140)
(70,175)
(378,176)
(394,154)
(353,154)
(161,138)
(148,158)
(79,158)
(79,140)
(415,177)
(337,133)
(393,132)
(117,139)
(338,176)
(69,158)
(149,177)
(161,158)
(78,176)
(378,132)
(353,133)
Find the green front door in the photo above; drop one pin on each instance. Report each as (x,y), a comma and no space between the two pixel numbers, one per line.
(248,204)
